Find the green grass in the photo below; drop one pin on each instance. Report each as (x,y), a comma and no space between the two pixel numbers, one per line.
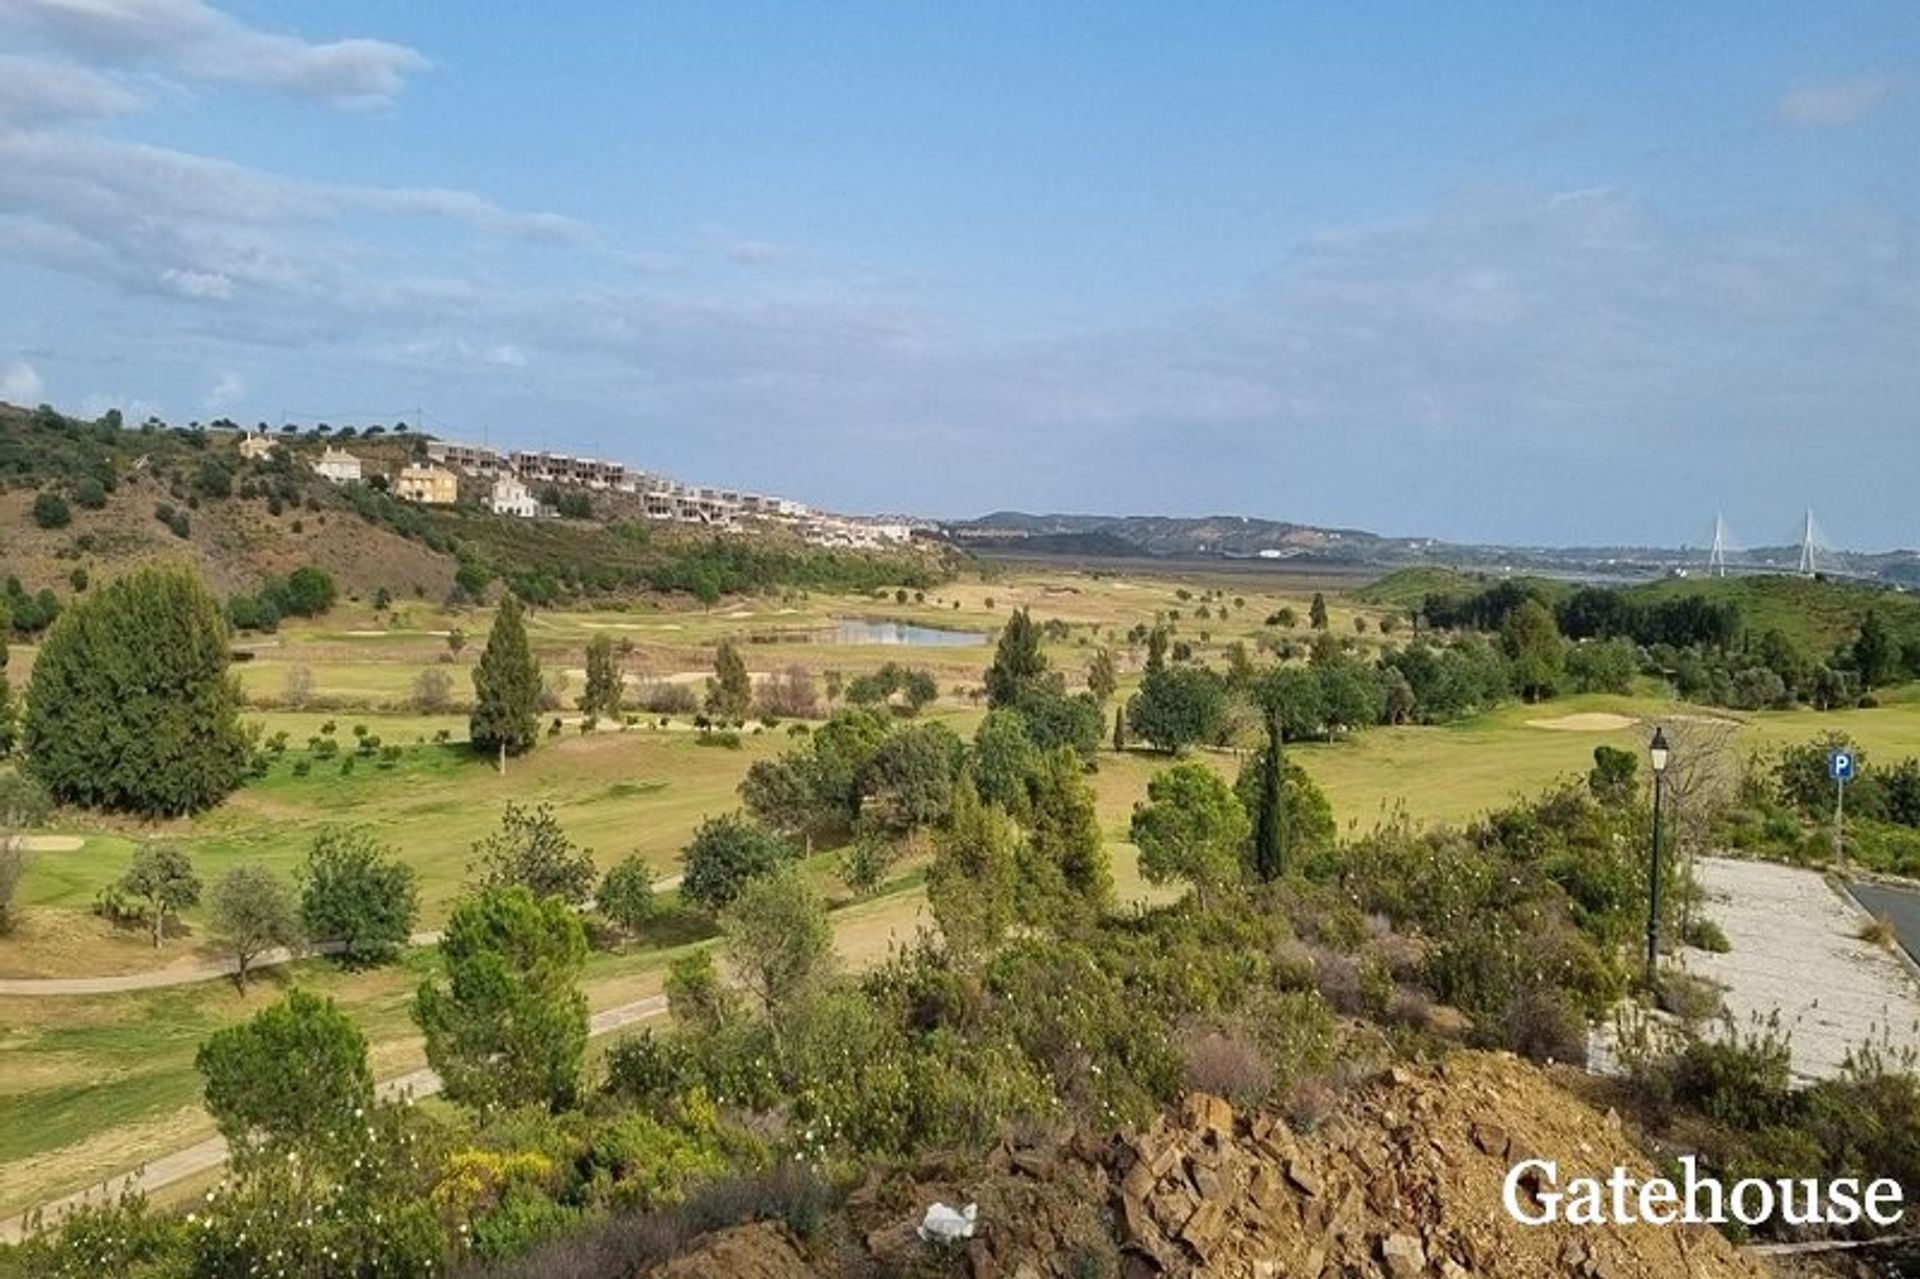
(84,1069)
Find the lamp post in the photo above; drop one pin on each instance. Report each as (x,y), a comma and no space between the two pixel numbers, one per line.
(1657,754)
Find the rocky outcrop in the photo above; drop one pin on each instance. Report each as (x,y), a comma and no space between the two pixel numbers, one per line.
(1405,1181)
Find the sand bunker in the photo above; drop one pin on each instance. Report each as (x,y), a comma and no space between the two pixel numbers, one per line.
(52,843)
(1586,722)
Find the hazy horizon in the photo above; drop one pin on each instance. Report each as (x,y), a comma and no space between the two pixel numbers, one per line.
(1518,277)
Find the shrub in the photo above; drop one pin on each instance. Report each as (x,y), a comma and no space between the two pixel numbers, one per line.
(1741,1077)
(626,894)
(50,510)
(1225,1063)
(1703,934)
(432,690)
(662,697)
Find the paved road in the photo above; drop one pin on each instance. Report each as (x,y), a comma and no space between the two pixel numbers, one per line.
(211,1153)
(1797,950)
(1898,906)
(196,971)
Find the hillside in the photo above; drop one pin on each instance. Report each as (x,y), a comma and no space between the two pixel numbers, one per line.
(1231,536)
(128,496)
(1816,613)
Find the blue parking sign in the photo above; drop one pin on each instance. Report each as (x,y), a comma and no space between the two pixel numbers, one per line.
(1840,766)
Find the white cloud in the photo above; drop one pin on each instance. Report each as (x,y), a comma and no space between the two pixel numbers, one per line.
(198,43)
(198,284)
(21,384)
(1834,104)
(40,91)
(228,392)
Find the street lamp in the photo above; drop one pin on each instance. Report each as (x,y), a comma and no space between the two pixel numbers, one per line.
(1658,755)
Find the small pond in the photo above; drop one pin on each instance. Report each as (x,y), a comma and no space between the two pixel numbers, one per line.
(860,630)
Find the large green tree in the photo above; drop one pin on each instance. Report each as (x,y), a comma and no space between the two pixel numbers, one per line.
(1018,662)
(1178,707)
(778,937)
(727,852)
(974,879)
(132,706)
(506,688)
(293,1080)
(355,891)
(783,795)
(1103,678)
(1067,876)
(1192,827)
(1004,760)
(909,782)
(509,1026)
(1532,642)
(1874,654)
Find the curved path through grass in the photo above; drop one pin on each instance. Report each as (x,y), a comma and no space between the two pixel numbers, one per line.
(194,971)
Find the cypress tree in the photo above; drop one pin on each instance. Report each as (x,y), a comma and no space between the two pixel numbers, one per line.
(506,687)
(730,690)
(605,683)
(1270,817)
(132,706)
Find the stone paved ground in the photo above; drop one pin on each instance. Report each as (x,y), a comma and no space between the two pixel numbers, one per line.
(1796,948)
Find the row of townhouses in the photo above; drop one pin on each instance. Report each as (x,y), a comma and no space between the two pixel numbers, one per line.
(437,483)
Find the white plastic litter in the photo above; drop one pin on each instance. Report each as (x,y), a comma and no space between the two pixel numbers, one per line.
(944,1225)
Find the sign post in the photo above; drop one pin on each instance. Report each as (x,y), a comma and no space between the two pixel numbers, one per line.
(1840,766)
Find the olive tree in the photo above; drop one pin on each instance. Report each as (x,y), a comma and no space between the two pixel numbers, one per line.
(164,880)
(253,910)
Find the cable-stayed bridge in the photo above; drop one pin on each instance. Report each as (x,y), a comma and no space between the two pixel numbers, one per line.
(1806,552)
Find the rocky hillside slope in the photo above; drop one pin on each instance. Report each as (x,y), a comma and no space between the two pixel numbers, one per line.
(1403,1180)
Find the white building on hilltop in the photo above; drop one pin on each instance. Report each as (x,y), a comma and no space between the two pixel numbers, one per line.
(338,465)
(510,497)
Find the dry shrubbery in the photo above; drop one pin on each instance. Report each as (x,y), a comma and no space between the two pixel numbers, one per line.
(1226,1063)
(662,697)
(787,694)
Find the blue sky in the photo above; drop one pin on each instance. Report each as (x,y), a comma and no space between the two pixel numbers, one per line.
(1544,273)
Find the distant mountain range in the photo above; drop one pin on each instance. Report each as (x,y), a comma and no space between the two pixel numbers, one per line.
(1235,537)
